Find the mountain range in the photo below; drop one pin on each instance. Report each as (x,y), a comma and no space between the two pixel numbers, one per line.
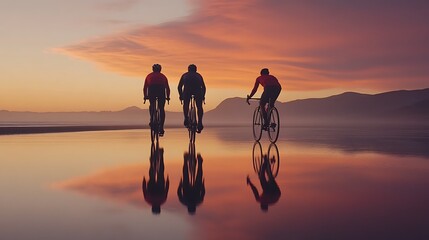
(410,107)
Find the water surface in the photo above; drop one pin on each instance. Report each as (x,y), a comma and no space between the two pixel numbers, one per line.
(334,184)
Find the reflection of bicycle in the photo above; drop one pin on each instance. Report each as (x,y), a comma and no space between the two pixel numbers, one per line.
(156,160)
(267,167)
(273,125)
(155,189)
(191,163)
(272,156)
(191,190)
(155,121)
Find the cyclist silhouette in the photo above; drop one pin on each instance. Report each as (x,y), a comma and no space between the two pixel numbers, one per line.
(155,191)
(191,188)
(272,89)
(156,86)
(192,83)
(270,189)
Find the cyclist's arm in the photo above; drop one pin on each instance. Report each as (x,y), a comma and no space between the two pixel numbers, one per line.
(167,88)
(254,191)
(203,87)
(180,86)
(145,88)
(255,88)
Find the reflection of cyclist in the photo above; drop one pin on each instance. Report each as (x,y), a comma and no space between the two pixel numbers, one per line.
(156,189)
(156,85)
(270,189)
(191,194)
(271,92)
(192,83)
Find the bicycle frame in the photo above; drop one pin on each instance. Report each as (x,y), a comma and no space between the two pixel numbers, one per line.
(192,119)
(273,125)
(273,158)
(155,120)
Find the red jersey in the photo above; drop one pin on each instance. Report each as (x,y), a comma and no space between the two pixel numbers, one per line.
(265,81)
(156,78)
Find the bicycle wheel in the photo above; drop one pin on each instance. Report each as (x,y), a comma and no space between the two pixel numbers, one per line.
(192,128)
(157,158)
(153,157)
(257,124)
(192,163)
(257,156)
(154,129)
(274,124)
(274,159)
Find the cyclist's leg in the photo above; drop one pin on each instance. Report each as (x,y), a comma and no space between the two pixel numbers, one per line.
(199,103)
(262,103)
(161,105)
(273,94)
(151,109)
(186,101)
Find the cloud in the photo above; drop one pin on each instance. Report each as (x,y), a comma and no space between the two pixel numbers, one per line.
(118,5)
(307,44)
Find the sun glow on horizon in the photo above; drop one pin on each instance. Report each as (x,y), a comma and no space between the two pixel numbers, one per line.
(315,49)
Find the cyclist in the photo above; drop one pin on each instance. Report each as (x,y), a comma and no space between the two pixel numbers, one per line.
(156,85)
(192,83)
(272,89)
(270,189)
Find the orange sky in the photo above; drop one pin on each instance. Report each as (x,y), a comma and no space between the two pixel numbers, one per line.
(315,48)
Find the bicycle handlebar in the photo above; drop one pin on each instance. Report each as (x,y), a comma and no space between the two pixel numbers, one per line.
(193,96)
(248,98)
(146,98)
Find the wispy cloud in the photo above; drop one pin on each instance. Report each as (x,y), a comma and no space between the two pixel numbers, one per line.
(308,44)
(117,5)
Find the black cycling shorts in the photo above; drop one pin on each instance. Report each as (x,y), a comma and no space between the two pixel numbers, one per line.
(270,93)
(197,94)
(156,91)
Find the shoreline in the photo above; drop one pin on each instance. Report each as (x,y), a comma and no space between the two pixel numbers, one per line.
(381,130)
(15,130)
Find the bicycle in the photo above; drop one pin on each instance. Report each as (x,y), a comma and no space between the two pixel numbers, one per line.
(272,156)
(192,119)
(273,125)
(155,120)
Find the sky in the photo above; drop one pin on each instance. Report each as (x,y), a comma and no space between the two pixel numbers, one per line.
(93,55)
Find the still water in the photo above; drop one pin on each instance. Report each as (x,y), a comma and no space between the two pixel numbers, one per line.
(328,184)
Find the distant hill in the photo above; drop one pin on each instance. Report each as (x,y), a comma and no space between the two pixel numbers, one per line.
(396,107)
(132,116)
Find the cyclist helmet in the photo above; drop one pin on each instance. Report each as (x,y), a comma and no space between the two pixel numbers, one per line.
(265,71)
(192,68)
(156,67)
